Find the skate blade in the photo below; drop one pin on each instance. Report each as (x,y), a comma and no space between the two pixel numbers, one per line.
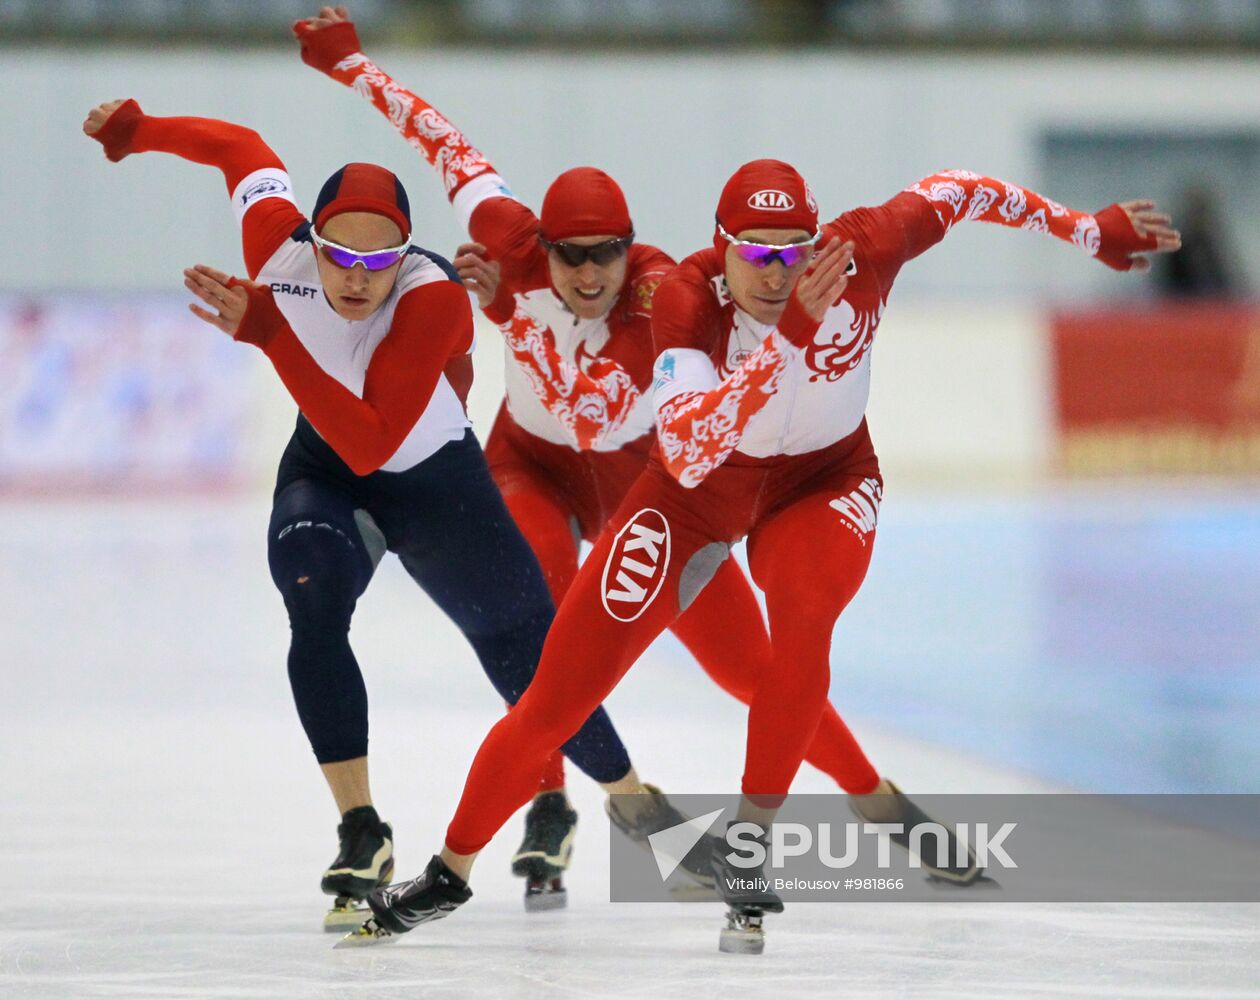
(363,936)
(344,918)
(550,899)
(946,885)
(742,942)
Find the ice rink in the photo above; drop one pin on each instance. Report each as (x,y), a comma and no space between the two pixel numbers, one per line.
(165,825)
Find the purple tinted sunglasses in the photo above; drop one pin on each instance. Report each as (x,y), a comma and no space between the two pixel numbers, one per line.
(372,260)
(764,254)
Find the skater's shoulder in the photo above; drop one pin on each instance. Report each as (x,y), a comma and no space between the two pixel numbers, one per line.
(644,259)
(509,232)
(421,266)
(689,307)
(646,268)
(700,267)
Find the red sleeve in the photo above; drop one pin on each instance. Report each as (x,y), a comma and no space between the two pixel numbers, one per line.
(459,373)
(509,232)
(335,51)
(892,233)
(685,313)
(235,150)
(922,214)
(432,324)
(266,226)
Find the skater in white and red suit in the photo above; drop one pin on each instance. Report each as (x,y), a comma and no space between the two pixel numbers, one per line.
(371,336)
(762,378)
(572,294)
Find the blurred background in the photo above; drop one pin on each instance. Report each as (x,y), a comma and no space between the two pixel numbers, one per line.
(1064,593)
(1069,557)
(1045,363)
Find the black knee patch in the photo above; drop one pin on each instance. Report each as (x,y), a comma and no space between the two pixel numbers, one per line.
(320,569)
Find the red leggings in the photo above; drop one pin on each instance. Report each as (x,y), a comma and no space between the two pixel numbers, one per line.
(809,547)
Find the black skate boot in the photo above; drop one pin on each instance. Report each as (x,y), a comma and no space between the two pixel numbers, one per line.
(909,816)
(398,908)
(659,815)
(543,856)
(748,897)
(365,861)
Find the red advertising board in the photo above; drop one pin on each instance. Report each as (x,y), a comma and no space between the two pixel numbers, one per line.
(1164,388)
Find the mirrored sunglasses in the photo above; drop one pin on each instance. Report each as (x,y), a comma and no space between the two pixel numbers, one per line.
(763,254)
(372,260)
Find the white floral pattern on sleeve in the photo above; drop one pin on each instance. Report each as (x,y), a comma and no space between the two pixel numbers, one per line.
(698,431)
(961,195)
(422,125)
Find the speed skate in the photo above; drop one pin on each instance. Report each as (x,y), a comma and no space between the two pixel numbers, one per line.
(345,913)
(436,893)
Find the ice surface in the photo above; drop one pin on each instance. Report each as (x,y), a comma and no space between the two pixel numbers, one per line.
(164,825)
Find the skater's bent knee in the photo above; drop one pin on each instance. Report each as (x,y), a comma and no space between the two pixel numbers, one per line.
(317,569)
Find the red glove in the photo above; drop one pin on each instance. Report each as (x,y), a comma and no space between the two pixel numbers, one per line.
(502,306)
(115,135)
(796,324)
(263,318)
(323,48)
(1118,239)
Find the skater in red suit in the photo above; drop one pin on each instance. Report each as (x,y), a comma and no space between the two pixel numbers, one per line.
(762,378)
(572,294)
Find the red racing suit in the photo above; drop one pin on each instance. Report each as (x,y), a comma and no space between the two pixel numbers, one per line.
(576,427)
(762,435)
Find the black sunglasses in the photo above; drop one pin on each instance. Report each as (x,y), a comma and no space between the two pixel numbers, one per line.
(602,254)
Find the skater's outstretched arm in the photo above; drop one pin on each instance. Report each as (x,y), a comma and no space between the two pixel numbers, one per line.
(1120,235)
(700,419)
(432,325)
(331,45)
(262,195)
(590,405)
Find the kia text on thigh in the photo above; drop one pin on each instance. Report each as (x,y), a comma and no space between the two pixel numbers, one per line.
(637,565)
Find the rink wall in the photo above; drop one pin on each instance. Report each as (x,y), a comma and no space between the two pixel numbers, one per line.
(671,128)
(967,374)
(130,393)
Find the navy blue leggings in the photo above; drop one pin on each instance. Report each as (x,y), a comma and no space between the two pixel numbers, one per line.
(448,524)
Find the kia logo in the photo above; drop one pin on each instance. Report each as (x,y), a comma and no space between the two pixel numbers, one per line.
(636,565)
(772,200)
